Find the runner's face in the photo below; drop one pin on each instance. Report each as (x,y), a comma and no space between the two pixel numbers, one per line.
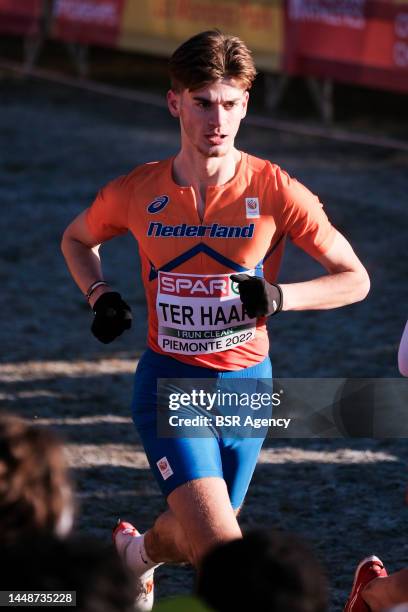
(210,116)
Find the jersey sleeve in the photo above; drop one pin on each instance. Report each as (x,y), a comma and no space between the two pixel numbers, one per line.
(303,218)
(108,215)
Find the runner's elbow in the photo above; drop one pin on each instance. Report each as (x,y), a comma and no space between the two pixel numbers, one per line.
(71,243)
(63,243)
(358,286)
(66,242)
(363,284)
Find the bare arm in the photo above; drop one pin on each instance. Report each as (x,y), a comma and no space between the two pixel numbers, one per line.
(403,353)
(82,257)
(347,281)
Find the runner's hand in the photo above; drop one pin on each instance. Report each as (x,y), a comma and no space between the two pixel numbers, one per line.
(112,317)
(259,297)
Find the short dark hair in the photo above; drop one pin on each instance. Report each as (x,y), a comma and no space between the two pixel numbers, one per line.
(208,57)
(265,570)
(79,564)
(35,487)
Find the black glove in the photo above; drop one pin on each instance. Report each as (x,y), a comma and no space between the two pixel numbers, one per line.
(112,317)
(259,297)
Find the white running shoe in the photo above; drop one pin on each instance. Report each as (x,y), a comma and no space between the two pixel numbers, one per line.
(145,599)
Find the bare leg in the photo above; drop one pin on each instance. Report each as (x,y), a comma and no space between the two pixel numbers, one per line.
(166,542)
(200,517)
(383,593)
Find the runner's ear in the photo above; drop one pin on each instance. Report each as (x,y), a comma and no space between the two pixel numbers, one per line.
(173,102)
(245,104)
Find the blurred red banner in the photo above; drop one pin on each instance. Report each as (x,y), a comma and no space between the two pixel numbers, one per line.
(358,41)
(20,17)
(96,22)
(355,41)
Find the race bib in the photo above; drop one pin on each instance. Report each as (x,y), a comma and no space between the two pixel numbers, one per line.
(201,313)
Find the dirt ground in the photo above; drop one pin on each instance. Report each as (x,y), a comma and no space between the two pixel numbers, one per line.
(58,146)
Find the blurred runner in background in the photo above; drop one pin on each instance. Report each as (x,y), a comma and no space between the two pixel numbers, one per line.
(373,590)
(211,224)
(403,352)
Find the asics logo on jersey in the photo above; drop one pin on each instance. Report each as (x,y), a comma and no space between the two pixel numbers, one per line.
(158,204)
(210,231)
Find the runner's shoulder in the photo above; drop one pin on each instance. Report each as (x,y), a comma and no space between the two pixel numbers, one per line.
(286,191)
(137,177)
(268,171)
(148,171)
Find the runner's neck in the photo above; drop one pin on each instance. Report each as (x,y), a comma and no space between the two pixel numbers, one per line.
(202,173)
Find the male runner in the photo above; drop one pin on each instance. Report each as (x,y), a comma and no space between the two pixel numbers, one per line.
(205,219)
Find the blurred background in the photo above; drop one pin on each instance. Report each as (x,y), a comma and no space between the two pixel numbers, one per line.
(82,100)
(83,86)
(308,50)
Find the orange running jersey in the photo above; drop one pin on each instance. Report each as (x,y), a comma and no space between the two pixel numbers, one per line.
(194,311)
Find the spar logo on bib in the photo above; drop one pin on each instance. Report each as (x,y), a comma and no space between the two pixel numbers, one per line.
(200,313)
(158,204)
(198,286)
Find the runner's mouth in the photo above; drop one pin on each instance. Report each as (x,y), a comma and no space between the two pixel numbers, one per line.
(215,139)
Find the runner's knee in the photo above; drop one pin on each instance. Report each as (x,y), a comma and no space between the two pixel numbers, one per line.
(205,514)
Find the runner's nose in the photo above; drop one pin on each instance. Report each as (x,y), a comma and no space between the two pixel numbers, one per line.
(217,115)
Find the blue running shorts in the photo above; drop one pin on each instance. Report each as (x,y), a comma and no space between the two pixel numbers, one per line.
(177,460)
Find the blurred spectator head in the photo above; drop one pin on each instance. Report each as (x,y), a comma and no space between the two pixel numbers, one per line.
(265,570)
(91,569)
(35,490)
(208,57)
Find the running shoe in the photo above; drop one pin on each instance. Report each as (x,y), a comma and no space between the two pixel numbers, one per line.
(145,599)
(368,569)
